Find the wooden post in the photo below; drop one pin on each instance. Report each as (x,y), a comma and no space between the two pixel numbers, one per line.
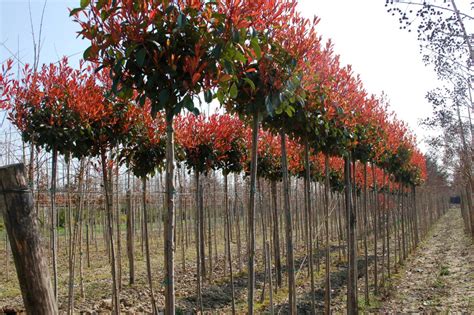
(16,206)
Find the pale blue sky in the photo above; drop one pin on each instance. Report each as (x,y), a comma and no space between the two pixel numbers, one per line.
(59,32)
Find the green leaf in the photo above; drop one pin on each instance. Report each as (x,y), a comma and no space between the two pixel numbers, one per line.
(208,96)
(289,110)
(256,47)
(140,56)
(188,103)
(220,96)
(269,105)
(142,100)
(235,36)
(74,11)
(125,93)
(164,97)
(155,108)
(85,3)
(181,20)
(170,8)
(233,91)
(250,82)
(104,15)
(100,4)
(87,53)
(240,56)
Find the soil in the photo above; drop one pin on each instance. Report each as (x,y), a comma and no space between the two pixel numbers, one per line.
(439,276)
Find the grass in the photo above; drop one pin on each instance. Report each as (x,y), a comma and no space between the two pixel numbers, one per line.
(374,304)
(444,271)
(10,291)
(438,284)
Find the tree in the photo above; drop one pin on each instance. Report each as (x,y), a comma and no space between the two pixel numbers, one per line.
(252,86)
(42,107)
(144,153)
(165,52)
(446,45)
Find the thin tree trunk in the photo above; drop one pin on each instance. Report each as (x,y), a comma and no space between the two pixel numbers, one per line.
(276,235)
(75,235)
(308,223)
(199,240)
(237,219)
(108,209)
(251,216)
(327,292)
(366,255)
(227,221)
(130,235)
(147,246)
(269,263)
(374,182)
(352,307)
(288,228)
(117,222)
(54,237)
(169,218)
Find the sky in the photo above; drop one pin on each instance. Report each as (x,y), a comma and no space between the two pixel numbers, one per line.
(363,33)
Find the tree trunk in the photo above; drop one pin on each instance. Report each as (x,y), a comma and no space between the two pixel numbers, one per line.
(288,228)
(276,235)
(374,182)
(327,292)
(115,193)
(169,218)
(18,213)
(54,237)
(366,255)
(199,240)
(110,232)
(227,223)
(351,241)
(75,236)
(270,282)
(130,235)
(308,223)
(251,215)
(147,247)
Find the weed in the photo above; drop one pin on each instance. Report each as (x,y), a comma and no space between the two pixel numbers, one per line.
(444,271)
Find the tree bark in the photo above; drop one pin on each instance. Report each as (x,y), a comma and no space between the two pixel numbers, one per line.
(366,255)
(227,223)
(251,215)
(199,240)
(110,232)
(374,182)
(352,307)
(308,223)
(327,292)
(18,213)
(288,227)
(276,235)
(75,236)
(169,218)
(130,237)
(147,246)
(54,237)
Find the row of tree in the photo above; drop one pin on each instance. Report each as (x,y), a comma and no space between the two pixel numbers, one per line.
(307,115)
(446,45)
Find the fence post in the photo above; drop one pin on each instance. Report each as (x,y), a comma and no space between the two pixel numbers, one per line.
(16,207)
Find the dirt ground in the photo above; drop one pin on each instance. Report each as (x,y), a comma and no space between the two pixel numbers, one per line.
(439,276)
